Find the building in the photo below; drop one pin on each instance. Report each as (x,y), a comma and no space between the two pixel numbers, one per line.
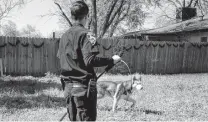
(193,29)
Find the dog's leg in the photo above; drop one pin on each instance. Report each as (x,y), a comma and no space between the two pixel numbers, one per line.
(115,101)
(128,98)
(117,96)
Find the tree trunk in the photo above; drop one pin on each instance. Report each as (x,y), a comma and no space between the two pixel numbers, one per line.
(184,3)
(111,16)
(108,15)
(119,18)
(94,17)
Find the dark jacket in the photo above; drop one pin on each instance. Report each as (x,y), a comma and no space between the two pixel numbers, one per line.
(78,51)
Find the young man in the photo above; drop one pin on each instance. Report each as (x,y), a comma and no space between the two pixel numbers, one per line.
(78,51)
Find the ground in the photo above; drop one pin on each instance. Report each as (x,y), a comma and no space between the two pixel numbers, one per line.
(181,97)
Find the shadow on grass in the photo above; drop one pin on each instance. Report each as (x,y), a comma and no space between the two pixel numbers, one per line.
(29,93)
(27,86)
(140,110)
(41,101)
(148,111)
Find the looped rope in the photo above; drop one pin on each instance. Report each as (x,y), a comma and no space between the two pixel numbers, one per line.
(129,72)
(138,46)
(14,42)
(169,44)
(107,48)
(182,45)
(3,45)
(154,45)
(24,42)
(193,44)
(199,45)
(37,43)
(2,42)
(205,45)
(175,45)
(148,44)
(162,45)
(127,48)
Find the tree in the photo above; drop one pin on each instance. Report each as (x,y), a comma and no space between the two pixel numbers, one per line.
(111,13)
(30,31)
(10,29)
(6,6)
(168,9)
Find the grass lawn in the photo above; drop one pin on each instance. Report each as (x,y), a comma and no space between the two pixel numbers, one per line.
(182,97)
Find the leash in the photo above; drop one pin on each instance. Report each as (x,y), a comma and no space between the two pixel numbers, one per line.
(129,72)
(132,80)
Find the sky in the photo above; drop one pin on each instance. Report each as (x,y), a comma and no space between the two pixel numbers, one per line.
(31,14)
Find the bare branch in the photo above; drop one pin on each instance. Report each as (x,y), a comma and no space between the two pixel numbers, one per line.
(106,21)
(173,3)
(200,7)
(114,15)
(64,15)
(7,6)
(111,8)
(165,14)
(190,3)
(179,2)
(196,2)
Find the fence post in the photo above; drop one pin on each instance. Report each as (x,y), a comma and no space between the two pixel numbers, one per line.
(54,35)
(1,67)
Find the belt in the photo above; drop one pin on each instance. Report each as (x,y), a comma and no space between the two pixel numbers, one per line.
(78,85)
(69,80)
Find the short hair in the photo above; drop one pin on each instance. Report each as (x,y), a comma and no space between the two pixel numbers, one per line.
(79,10)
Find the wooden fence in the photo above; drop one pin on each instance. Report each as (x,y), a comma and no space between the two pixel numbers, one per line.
(29,56)
(36,56)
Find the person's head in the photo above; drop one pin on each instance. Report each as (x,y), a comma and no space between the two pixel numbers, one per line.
(79,11)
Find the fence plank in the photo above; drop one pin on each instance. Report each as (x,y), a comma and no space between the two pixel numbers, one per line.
(2,52)
(205,58)
(44,56)
(30,57)
(5,56)
(57,68)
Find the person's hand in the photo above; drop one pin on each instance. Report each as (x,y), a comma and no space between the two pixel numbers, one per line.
(116,59)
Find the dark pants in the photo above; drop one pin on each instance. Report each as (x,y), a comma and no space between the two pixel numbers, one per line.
(82,108)
(79,106)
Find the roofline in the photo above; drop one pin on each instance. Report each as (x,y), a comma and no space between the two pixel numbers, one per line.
(173,33)
(182,22)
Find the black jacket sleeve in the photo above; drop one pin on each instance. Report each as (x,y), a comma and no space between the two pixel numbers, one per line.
(90,51)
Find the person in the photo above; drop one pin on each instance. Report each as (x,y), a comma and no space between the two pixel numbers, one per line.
(78,52)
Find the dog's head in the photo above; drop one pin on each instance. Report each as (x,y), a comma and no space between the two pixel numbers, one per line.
(137,83)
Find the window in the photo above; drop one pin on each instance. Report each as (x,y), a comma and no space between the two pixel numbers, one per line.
(203,39)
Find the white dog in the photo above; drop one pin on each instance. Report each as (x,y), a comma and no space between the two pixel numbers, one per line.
(119,90)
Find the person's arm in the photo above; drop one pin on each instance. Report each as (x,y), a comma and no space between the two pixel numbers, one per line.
(90,51)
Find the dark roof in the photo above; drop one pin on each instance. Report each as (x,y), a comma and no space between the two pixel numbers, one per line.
(188,25)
